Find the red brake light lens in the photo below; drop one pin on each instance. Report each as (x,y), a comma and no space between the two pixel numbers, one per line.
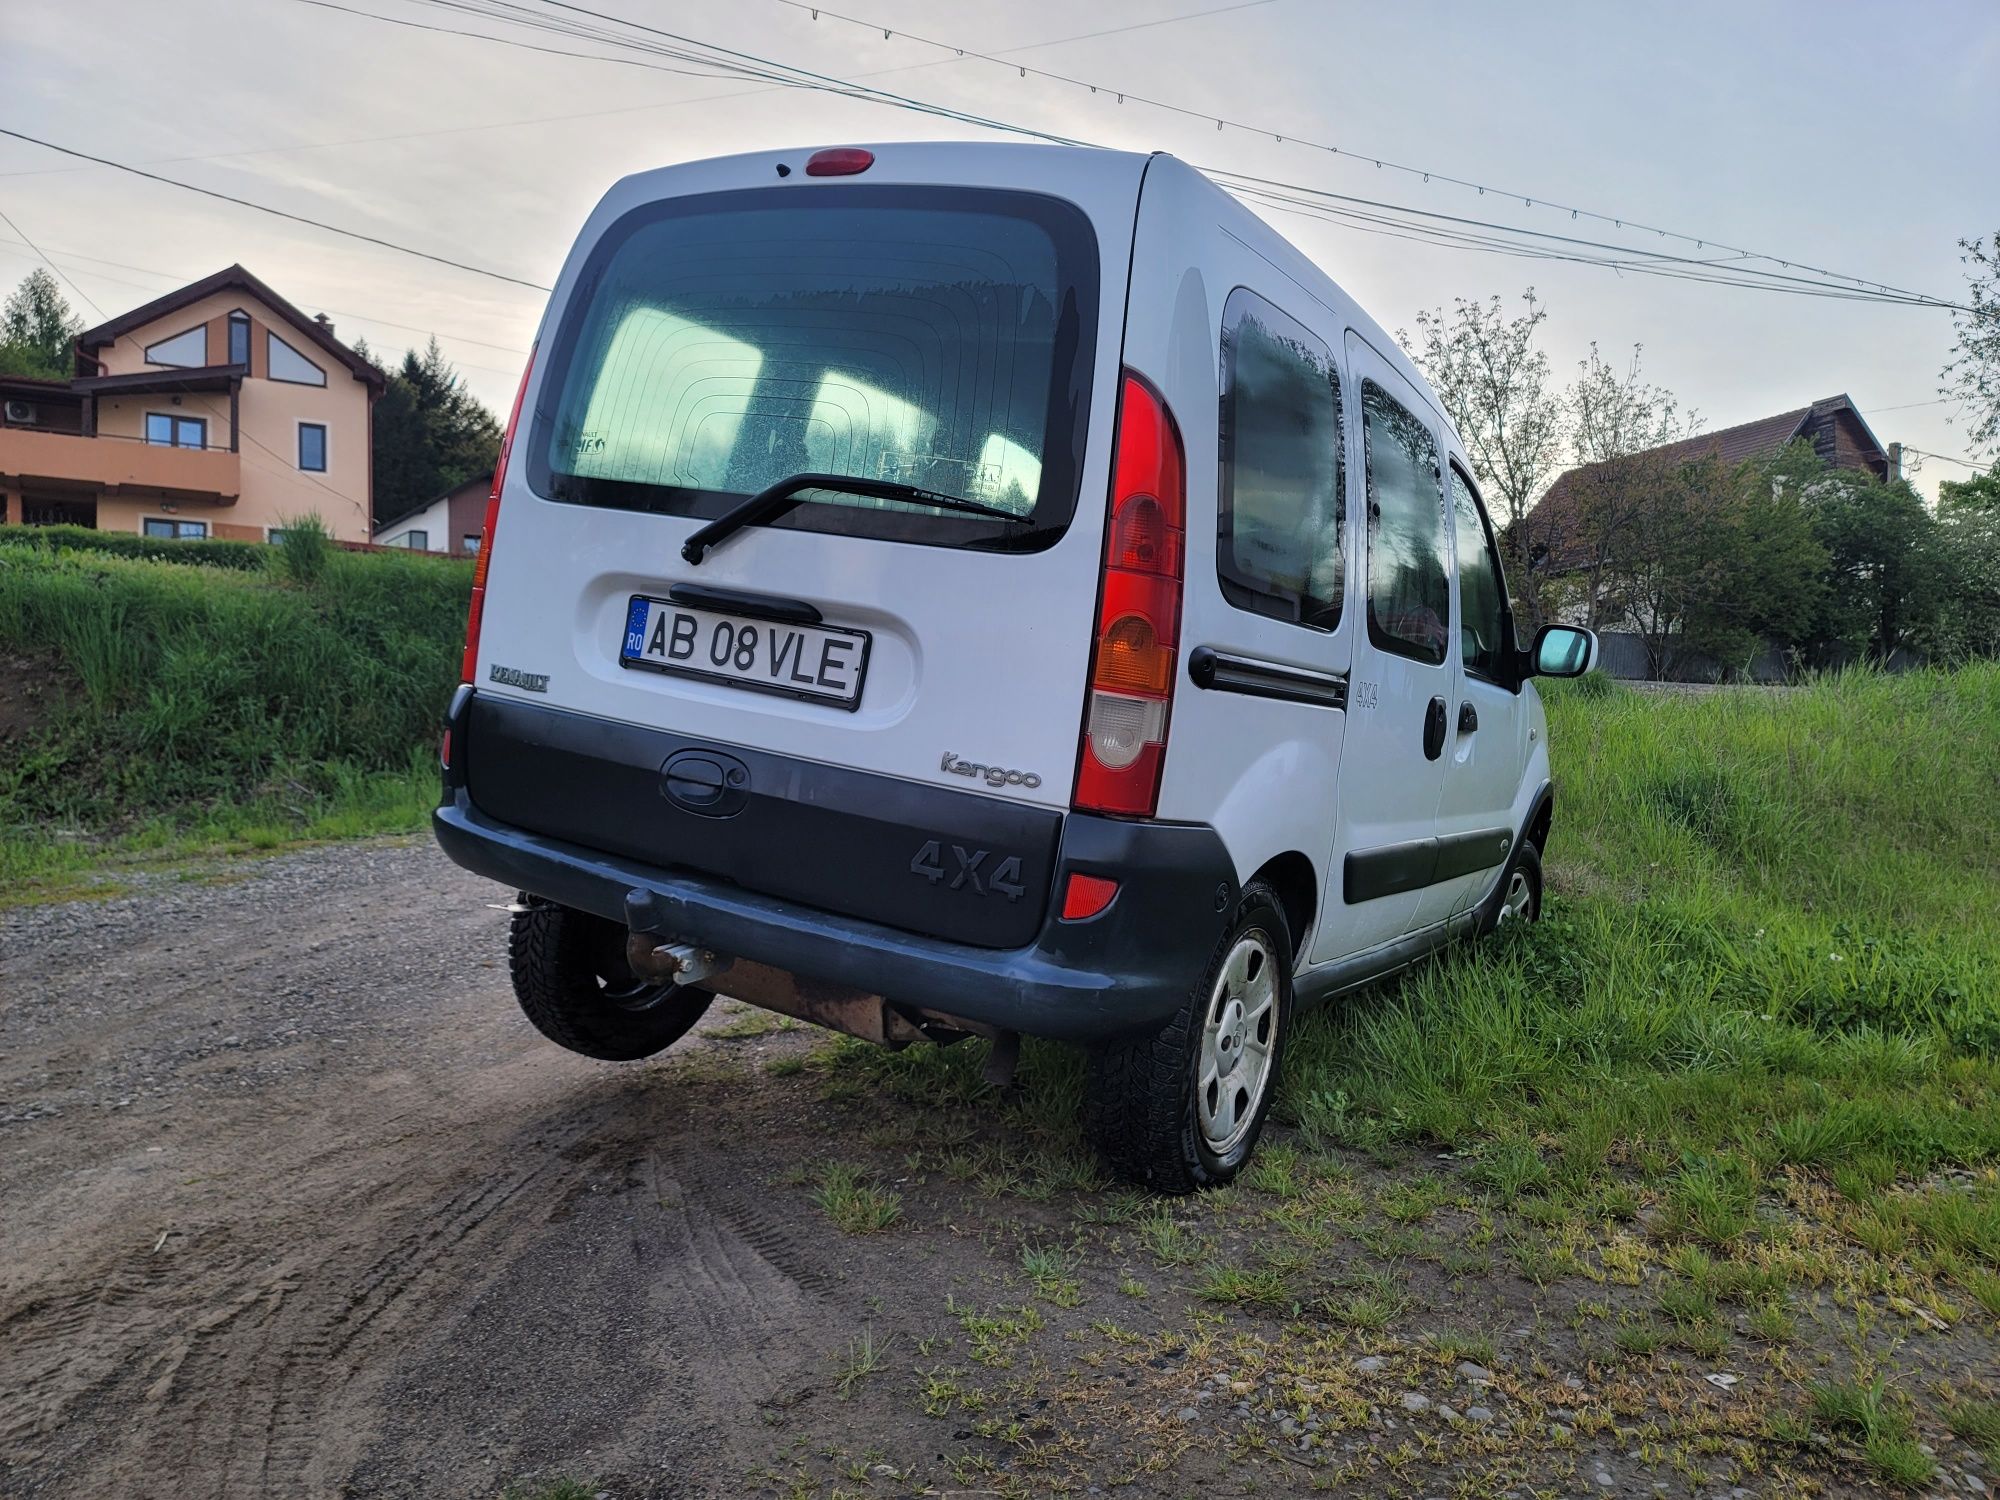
(842,161)
(1139,612)
(475,613)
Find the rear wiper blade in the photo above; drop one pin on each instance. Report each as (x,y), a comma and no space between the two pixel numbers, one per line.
(774,500)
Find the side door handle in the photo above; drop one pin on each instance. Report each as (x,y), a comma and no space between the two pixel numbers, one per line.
(1468,717)
(1434,722)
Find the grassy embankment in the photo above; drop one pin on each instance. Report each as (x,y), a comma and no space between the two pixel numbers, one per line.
(233,697)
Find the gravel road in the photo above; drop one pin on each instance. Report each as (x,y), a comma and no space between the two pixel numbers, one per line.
(293,1201)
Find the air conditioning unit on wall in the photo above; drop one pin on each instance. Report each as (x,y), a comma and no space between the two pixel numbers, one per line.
(22,412)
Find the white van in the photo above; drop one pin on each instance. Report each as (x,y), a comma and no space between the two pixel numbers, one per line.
(949,589)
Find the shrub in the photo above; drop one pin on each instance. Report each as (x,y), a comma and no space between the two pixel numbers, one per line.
(304,548)
(244,556)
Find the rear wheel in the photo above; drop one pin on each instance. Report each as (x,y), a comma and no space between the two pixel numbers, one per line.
(1181,1108)
(1521,892)
(574,984)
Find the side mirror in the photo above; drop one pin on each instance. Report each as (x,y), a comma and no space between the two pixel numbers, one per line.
(1563,651)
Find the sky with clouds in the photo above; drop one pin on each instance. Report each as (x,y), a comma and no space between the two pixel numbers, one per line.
(1860,138)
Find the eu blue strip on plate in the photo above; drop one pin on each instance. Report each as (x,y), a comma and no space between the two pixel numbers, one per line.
(635,629)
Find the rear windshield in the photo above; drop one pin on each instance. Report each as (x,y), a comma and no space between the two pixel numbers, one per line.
(929,336)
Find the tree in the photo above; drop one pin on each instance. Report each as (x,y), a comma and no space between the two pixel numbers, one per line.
(1766,574)
(1972,375)
(1495,386)
(431,434)
(37,330)
(1616,424)
(1882,576)
(1713,563)
(1967,622)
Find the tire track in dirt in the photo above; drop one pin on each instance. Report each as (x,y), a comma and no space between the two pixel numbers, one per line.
(357,1210)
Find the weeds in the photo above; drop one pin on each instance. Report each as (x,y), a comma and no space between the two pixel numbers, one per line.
(855,1204)
(1864,1411)
(864,1358)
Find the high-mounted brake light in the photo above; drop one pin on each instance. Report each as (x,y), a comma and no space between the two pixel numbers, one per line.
(485,559)
(1138,612)
(842,161)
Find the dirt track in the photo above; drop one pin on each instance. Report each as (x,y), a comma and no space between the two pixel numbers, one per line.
(296,1203)
(293,1202)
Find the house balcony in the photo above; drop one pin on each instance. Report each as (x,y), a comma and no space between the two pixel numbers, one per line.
(110,466)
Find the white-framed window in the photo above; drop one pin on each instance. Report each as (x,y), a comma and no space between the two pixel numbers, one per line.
(167,429)
(312,447)
(173,529)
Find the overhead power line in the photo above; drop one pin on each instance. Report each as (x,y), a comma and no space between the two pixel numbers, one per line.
(51,264)
(1124,95)
(1715,269)
(265,208)
(1970,463)
(1369,216)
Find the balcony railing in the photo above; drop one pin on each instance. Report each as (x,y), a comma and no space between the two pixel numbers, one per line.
(113,464)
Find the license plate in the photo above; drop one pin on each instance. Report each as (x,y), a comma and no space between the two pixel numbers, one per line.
(815,662)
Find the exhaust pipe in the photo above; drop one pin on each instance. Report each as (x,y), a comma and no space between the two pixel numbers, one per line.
(835,1006)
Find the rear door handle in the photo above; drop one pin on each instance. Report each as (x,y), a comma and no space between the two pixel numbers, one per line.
(1434,722)
(1468,717)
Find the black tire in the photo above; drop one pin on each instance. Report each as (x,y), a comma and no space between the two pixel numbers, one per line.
(1142,1100)
(573,982)
(1527,866)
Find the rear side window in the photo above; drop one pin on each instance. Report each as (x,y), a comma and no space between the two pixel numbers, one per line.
(1484,645)
(1284,467)
(931,336)
(1409,568)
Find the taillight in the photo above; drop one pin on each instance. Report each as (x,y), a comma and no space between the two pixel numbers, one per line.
(485,559)
(1138,612)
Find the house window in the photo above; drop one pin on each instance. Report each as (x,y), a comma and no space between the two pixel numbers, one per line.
(469,543)
(1409,569)
(417,541)
(239,338)
(166,430)
(185,350)
(1278,548)
(312,446)
(275,535)
(283,362)
(181,531)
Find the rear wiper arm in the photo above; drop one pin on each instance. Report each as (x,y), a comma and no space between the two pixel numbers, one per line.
(774,500)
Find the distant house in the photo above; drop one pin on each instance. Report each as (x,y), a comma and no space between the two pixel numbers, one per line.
(1557,526)
(450,523)
(218,410)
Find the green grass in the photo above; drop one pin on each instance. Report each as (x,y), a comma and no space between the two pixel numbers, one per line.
(855,1204)
(1770,947)
(276,694)
(1866,1412)
(1978,1423)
